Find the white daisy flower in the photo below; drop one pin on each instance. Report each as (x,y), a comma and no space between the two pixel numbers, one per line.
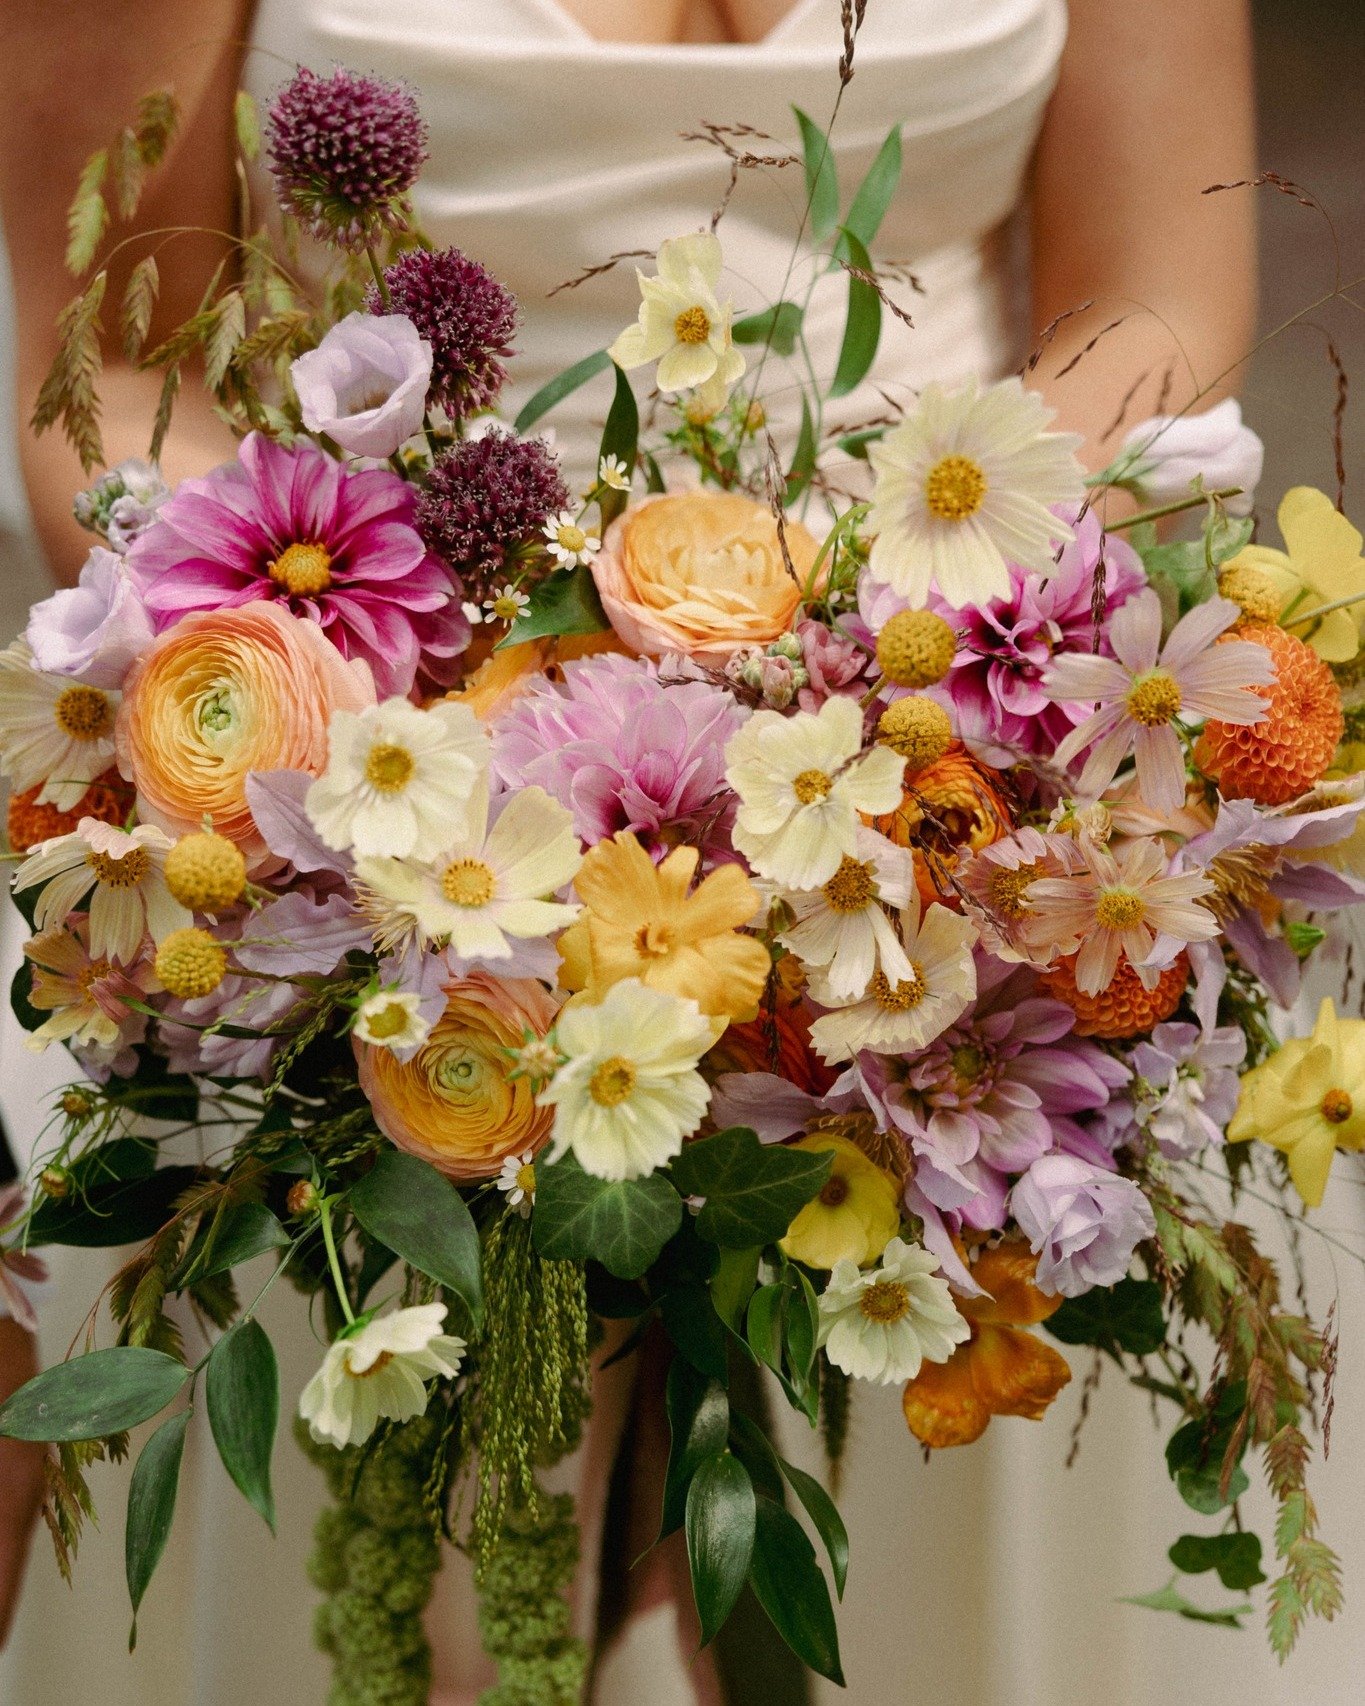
(682,325)
(629,1091)
(130,896)
(52,730)
(613,473)
(517,1182)
(392,1019)
(842,926)
(883,1325)
(568,542)
(801,784)
(902,1015)
(399,782)
(379,1367)
(484,887)
(964,487)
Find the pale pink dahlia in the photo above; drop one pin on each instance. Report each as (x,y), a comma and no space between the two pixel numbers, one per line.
(338,548)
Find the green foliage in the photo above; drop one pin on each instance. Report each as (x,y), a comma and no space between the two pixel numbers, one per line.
(151,1507)
(622,1224)
(243,1394)
(822,184)
(524,1613)
(1203,1456)
(753,1190)
(93,1396)
(565,602)
(1235,1555)
(417,1213)
(835,1404)
(620,438)
(561,386)
(802,468)
(777,327)
(1169,1599)
(863,324)
(720,1523)
(139,300)
(873,197)
(1311,1579)
(699,1423)
(247,122)
(791,1588)
(1124,1317)
(781,1331)
(68,393)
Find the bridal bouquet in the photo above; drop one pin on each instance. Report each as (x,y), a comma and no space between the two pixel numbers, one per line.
(818,896)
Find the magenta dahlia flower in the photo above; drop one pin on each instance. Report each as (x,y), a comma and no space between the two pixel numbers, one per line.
(339,548)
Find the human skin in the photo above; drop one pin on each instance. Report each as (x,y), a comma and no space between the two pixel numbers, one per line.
(21,1472)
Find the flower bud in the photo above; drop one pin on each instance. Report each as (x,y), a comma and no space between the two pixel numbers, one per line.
(1173,450)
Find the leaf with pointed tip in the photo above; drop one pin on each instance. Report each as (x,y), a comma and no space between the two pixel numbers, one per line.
(416,1211)
(792,1589)
(822,183)
(753,1190)
(242,1387)
(151,1507)
(873,196)
(720,1538)
(565,602)
(862,327)
(93,1396)
(561,386)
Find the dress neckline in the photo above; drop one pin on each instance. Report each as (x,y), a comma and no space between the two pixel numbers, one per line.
(555,12)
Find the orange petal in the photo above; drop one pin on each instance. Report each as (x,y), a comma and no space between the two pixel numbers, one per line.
(942,1406)
(724,899)
(1006,1272)
(1016,1374)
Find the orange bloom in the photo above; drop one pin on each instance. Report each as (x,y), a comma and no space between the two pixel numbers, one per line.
(223,693)
(107,798)
(1293,745)
(957,802)
(778,1040)
(1125,1008)
(453,1103)
(1000,1370)
(504,675)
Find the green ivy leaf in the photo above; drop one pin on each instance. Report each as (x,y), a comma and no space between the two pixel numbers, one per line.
(822,183)
(93,1396)
(1196,1451)
(1235,1555)
(1123,1317)
(561,386)
(753,1190)
(720,1523)
(792,1589)
(873,196)
(565,602)
(622,1224)
(778,327)
(242,1387)
(1168,1599)
(151,1507)
(698,1421)
(862,327)
(416,1211)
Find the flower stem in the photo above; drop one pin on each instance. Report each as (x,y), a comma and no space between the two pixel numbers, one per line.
(1172,508)
(380,283)
(333,1262)
(1322,610)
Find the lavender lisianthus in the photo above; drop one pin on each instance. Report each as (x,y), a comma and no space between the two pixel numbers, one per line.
(122,503)
(1083,1222)
(1189,1085)
(95,630)
(339,548)
(365,385)
(1171,452)
(466,316)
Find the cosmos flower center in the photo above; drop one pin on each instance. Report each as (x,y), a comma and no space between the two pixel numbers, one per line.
(389,768)
(303,570)
(124,872)
(885,1302)
(1337,1107)
(1154,698)
(851,886)
(692,326)
(468,882)
(1119,909)
(84,713)
(908,992)
(810,786)
(526,1177)
(612,1082)
(955,488)
(91,974)
(389,1021)
(1008,889)
(380,1363)
(834,1191)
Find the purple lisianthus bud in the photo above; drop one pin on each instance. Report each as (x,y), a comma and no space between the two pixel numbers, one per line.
(1174,450)
(365,385)
(122,504)
(1083,1222)
(96,629)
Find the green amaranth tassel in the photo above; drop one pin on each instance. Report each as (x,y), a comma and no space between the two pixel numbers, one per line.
(523,1611)
(835,1395)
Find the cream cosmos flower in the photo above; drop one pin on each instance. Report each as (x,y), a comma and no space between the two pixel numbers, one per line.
(377,1368)
(842,927)
(883,1325)
(682,325)
(130,897)
(53,730)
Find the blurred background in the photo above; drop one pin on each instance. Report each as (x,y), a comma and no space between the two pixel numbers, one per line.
(1311,70)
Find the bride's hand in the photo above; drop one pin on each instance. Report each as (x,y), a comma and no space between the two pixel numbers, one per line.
(21,1474)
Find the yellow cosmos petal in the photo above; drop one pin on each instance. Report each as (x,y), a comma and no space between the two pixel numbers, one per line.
(1322,543)
(1310,1161)
(723,901)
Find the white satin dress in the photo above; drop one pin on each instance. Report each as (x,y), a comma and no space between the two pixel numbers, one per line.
(991,1576)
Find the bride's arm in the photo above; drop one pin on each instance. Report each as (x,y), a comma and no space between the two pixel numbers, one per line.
(1154,104)
(21,1473)
(78,69)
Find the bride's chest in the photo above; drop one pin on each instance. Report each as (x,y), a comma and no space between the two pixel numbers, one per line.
(677,21)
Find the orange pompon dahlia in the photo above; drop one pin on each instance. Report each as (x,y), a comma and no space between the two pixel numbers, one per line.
(1001,1370)
(108,798)
(778,1040)
(1125,1008)
(955,803)
(1293,745)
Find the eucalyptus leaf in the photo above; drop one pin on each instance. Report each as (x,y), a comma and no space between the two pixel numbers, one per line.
(862,327)
(416,1211)
(93,1396)
(561,386)
(778,327)
(151,1507)
(242,1389)
(720,1523)
(822,183)
(792,1589)
(623,1224)
(753,1191)
(565,602)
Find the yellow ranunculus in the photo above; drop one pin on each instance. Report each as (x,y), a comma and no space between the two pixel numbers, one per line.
(1308,1100)
(641,921)
(856,1214)
(1322,563)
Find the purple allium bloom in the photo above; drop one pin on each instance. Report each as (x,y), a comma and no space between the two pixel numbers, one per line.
(338,548)
(1083,1222)
(486,497)
(466,316)
(96,629)
(341,150)
(620,749)
(365,385)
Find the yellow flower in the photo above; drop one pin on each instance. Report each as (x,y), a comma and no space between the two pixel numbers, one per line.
(1322,563)
(856,1214)
(641,921)
(1308,1100)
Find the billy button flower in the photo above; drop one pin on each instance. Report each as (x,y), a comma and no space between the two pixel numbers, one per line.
(190,964)
(915,649)
(205,871)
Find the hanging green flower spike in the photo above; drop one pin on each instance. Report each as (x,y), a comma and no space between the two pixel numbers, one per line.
(523,1611)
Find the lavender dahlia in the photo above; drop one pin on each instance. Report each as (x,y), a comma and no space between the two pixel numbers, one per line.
(487,497)
(466,316)
(342,151)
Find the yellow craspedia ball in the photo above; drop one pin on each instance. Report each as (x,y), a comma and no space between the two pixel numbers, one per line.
(916,648)
(190,963)
(1252,590)
(205,872)
(918,729)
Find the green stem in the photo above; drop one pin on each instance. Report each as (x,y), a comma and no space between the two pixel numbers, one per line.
(1323,610)
(333,1262)
(1172,508)
(380,283)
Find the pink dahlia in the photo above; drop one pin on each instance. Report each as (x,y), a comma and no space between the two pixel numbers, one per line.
(339,548)
(621,749)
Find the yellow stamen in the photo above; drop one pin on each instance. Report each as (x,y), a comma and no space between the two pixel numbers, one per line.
(908,993)
(1007,890)
(1154,699)
(810,786)
(120,873)
(526,1178)
(381,1362)
(390,1021)
(303,570)
(468,882)
(1119,909)
(1337,1107)
(851,886)
(570,538)
(389,768)
(692,326)
(955,488)
(84,713)
(885,1302)
(612,1082)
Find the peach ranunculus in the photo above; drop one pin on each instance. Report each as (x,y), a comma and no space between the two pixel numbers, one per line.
(701,573)
(223,693)
(453,1103)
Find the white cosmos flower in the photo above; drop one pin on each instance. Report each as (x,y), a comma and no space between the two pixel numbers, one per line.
(801,784)
(568,541)
(682,325)
(883,1325)
(130,896)
(486,886)
(897,1016)
(392,1019)
(52,730)
(963,488)
(843,927)
(378,1368)
(517,1182)
(399,782)
(629,1091)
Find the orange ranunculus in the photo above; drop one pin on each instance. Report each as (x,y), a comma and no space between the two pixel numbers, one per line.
(701,573)
(1001,1370)
(957,802)
(453,1103)
(778,1040)
(223,693)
